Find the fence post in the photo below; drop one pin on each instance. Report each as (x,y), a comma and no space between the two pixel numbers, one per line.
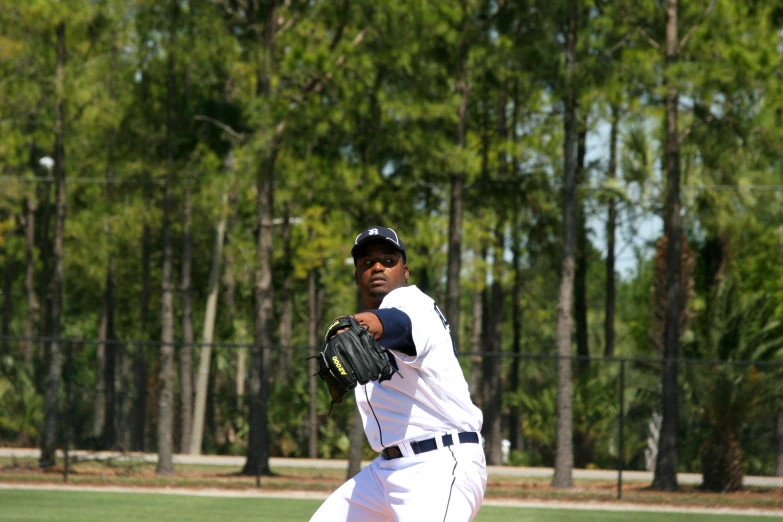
(621,449)
(68,409)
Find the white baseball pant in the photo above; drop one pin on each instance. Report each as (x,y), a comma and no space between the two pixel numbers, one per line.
(446,485)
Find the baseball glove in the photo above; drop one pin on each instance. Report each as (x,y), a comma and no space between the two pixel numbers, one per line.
(351,356)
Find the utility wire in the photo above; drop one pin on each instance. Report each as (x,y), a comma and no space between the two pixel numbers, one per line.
(529,356)
(94,181)
(769,188)
(142,181)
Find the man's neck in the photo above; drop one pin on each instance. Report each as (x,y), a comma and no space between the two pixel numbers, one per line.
(373,304)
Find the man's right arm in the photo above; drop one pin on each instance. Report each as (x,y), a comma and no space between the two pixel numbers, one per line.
(391,327)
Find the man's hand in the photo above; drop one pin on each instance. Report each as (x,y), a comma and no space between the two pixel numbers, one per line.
(351,355)
(368,320)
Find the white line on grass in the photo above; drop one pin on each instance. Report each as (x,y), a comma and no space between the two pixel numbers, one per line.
(314,495)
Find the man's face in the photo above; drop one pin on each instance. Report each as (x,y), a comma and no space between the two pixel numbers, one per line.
(379,270)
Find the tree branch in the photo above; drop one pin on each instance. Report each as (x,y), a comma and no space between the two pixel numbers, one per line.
(338,34)
(234,134)
(711,119)
(316,84)
(284,25)
(649,38)
(620,43)
(696,26)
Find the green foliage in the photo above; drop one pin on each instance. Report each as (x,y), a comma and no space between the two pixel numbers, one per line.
(358,104)
(21,406)
(740,328)
(735,327)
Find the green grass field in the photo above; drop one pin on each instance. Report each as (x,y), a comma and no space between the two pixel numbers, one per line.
(136,473)
(73,506)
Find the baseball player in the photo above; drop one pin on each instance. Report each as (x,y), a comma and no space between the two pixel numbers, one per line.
(431,464)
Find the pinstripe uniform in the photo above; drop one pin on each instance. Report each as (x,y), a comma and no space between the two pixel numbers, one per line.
(431,464)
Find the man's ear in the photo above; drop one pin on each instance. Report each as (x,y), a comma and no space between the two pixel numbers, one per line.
(405,267)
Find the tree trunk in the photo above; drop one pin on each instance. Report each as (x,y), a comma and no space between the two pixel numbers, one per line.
(166,399)
(186,351)
(779,445)
(229,281)
(120,354)
(611,225)
(457,201)
(455,257)
(492,364)
(356,429)
(108,434)
(166,376)
(140,433)
(28,224)
(100,377)
(257,462)
(210,422)
(476,360)
(715,262)
(287,304)
(55,357)
(8,286)
(108,334)
(583,447)
(516,436)
(515,415)
(241,374)
(29,276)
(139,412)
(258,440)
(423,281)
(315,305)
(492,391)
(582,245)
(356,448)
(721,462)
(687,292)
(122,437)
(478,335)
(665,478)
(564,457)
(45,247)
(110,347)
(205,357)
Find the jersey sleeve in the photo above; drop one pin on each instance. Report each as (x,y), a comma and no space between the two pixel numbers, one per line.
(425,325)
(397,330)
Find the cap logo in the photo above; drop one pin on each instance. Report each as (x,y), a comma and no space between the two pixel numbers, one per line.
(373,232)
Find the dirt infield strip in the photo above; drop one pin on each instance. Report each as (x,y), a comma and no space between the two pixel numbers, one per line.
(225,460)
(309,495)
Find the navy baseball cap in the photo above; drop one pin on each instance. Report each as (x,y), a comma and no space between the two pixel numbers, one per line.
(376,234)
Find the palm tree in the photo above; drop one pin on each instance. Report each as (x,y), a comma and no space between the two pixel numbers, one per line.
(734,328)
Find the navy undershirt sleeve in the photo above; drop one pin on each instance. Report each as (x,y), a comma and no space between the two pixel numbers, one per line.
(397,330)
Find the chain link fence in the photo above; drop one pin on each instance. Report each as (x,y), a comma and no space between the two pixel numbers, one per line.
(730,419)
(730,412)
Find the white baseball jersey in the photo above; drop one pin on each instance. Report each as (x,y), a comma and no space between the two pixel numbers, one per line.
(427,400)
(429,395)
